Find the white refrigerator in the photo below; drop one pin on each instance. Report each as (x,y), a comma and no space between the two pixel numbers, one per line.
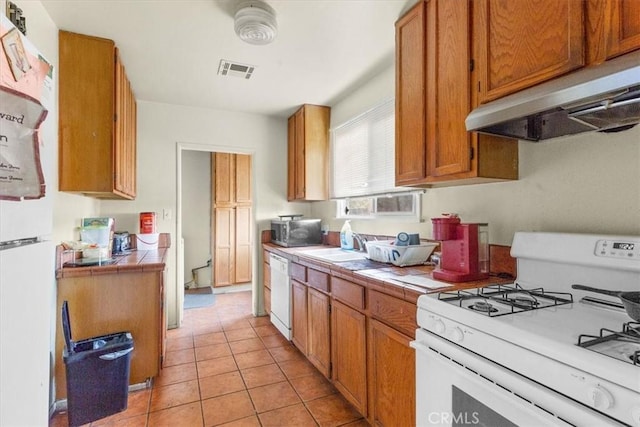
(27,280)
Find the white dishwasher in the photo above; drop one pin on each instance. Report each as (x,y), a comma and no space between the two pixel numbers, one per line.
(280,294)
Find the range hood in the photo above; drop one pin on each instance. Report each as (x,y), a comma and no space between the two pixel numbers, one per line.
(605,98)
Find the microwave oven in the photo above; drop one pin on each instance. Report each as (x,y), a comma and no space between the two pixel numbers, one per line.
(292,230)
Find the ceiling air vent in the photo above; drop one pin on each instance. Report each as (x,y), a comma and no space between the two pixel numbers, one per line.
(235,69)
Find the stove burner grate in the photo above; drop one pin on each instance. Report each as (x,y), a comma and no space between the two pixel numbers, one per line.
(630,334)
(514,297)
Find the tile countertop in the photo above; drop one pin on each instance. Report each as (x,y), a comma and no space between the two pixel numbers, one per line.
(133,262)
(385,277)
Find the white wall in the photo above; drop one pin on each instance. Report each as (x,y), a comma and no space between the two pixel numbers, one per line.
(196,210)
(587,183)
(162,130)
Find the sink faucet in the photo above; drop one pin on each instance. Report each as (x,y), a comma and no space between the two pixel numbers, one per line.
(362,242)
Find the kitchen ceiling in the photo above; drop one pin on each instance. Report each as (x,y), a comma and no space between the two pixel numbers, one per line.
(171,49)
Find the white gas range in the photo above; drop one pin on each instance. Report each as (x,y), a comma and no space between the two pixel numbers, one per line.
(536,352)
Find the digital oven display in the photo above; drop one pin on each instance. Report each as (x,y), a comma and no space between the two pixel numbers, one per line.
(623,246)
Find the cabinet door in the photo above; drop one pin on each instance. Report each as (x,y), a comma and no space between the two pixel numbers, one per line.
(86,109)
(349,354)
(624,32)
(266,274)
(299,155)
(124,135)
(242,255)
(224,246)
(224,182)
(448,87)
(299,325)
(291,158)
(307,155)
(522,43)
(316,152)
(410,154)
(319,338)
(392,377)
(243,178)
(613,28)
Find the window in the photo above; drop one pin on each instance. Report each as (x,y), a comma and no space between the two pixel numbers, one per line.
(393,206)
(363,167)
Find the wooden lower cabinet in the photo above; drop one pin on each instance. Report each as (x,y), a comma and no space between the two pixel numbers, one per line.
(299,315)
(266,289)
(391,377)
(319,331)
(349,354)
(109,303)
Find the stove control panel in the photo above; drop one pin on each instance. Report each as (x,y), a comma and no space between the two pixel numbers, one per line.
(624,249)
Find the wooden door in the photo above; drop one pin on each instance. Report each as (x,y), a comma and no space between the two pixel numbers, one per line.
(224,182)
(243,244)
(299,156)
(232,218)
(291,158)
(448,87)
(392,377)
(319,337)
(124,134)
(299,326)
(224,246)
(243,179)
(349,354)
(522,43)
(613,28)
(410,128)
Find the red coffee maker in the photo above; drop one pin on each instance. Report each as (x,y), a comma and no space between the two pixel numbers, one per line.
(465,249)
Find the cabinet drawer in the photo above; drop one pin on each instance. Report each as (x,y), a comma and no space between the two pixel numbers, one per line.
(399,314)
(318,279)
(298,272)
(348,292)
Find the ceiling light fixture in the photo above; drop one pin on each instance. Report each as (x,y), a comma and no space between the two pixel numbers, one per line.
(255,22)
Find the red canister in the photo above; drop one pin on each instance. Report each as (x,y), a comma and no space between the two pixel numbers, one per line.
(147,222)
(445,228)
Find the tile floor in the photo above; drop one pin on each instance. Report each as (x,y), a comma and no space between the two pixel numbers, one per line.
(225,367)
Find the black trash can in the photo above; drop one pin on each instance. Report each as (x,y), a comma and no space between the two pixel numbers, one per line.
(97,374)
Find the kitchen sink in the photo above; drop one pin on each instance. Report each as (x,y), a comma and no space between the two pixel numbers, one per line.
(334,254)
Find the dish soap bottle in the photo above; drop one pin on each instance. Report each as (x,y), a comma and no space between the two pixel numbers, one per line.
(346,236)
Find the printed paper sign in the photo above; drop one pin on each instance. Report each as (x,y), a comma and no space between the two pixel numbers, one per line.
(20,171)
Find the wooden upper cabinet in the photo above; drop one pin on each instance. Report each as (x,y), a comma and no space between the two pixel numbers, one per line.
(522,43)
(232,183)
(232,218)
(308,153)
(97,119)
(433,98)
(448,85)
(410,129)
(613,28)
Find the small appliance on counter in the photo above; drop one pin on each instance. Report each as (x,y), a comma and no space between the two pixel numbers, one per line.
(121,242)
(465,249)
(293,230)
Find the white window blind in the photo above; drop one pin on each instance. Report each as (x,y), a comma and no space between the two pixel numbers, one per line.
(363,154)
